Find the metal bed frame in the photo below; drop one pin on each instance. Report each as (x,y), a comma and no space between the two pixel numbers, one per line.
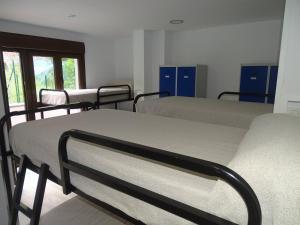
(136,99)
(197,166)
(4,128)
(99,96)
(244,94)
(166,94)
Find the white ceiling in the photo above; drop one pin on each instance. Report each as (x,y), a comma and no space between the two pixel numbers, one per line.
(121,17)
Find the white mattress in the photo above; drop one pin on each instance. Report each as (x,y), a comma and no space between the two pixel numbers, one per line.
(83,95)
(268,158)
(39,140)
(229,113)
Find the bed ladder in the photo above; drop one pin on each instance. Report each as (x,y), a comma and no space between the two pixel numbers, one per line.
(34,213)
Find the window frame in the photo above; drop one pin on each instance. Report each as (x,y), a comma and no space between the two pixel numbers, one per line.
(28,46)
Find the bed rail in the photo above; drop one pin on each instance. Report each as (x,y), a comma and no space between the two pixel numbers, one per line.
(136,99)
(99,96)
(53,90)
(4,153)
(173,159)
(244,94)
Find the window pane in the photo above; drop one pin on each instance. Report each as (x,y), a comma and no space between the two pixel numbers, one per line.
(14,82)
(70,73)
(43,73)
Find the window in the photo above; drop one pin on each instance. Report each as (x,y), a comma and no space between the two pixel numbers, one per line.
(43,73)
(70,73)
(42,63)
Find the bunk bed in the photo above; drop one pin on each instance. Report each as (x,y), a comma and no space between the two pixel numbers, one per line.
(108,94)
(150,181)
(224,112)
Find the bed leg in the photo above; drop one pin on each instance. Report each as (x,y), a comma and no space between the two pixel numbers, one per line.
(116,105)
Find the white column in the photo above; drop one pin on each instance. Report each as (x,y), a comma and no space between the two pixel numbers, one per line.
(139,61)
(148,54)
(288,83)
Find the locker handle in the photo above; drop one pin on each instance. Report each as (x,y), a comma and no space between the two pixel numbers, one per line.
(167,76)
(185,77)
(253,78)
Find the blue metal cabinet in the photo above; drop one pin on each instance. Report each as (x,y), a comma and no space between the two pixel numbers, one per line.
(272,83)
(167,79)
(253,80)
(186,81)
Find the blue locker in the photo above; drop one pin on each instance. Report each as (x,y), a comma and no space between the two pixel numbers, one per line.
(186,81)
(167,80)
(272,83)
(253,80)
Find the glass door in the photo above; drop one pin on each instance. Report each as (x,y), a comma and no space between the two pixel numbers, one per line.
(43,67)
(70,73)
(14,84)
(44,77)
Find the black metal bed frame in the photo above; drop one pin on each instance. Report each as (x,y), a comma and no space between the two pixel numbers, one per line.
(53,90)
(136,99)
(168,158)
(4,127)
(166,94)
(99,96)
(179,161)
(244,94)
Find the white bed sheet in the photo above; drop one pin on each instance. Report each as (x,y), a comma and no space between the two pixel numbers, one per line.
(228,113)
(39,139)
(83,95)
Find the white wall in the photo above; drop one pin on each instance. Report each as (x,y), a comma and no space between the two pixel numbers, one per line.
(154,56)
(224,49)
(123,58)
(288,83)
(99,51)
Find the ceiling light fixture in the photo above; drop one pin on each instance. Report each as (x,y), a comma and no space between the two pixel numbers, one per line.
(176,21)
(72,15)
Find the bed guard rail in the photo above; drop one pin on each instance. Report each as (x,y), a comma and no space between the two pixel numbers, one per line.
(53,90)
(195,165)
(136,99)
(4,153)
(244,94)
(98,102)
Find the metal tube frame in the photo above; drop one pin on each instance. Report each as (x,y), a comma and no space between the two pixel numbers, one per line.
(136,99)
(99,96)
(180,161)
(244,94)
(53,90)
(4,153)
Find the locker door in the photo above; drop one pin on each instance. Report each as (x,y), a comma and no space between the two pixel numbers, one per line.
(253,80)
(272,83)
(167,79)
(186,80)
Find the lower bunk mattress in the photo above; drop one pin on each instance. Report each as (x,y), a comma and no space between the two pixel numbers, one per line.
(224,112)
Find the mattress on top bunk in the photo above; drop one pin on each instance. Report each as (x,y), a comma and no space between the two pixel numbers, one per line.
(268,158)
(39,140)
(83,95)
(229,113)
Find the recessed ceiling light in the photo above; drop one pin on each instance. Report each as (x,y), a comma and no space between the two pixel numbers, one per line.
(72,15)
(176,21)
